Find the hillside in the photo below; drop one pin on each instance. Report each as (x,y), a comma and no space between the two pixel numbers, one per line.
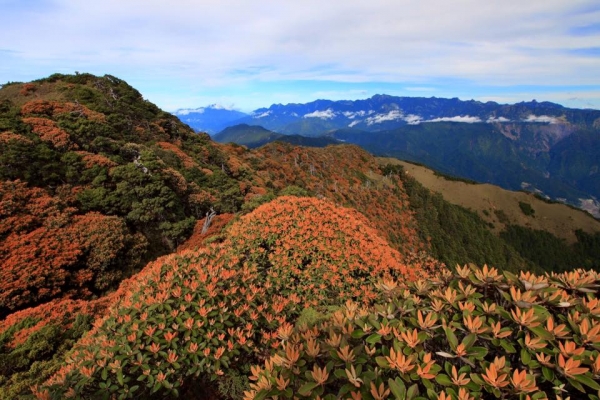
(487,200)
(484,153)
(254,136)
(143,260)
(246,135)
(547,236)
(541,147)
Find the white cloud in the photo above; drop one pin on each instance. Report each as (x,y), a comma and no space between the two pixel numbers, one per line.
(262,115)
(327,114)
(354,123)
(413,119)
(186,111)
(541,118)
(200,110)
(379,118)
(218,106)
(497,119)
(223,45)
(466,119)
(354,114)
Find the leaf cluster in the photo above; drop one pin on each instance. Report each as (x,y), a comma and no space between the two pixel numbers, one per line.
(199,316)
(474,333)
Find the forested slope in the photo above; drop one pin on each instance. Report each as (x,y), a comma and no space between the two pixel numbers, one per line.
(140,259)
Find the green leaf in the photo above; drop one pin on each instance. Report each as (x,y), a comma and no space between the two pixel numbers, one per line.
(576,384)
(261,395)
(539,396)
(358,333)
(307,388)
(156,387)
(443,380)
(507,346)
(412,391)
(548,374)
(340,373)
(374,338)
(451,338)
(345,389)
(398,388)
(477,379)
(478,352)
(432,394)
(541,332)
(525,357)
(586,380)
(469,340)
(382,362)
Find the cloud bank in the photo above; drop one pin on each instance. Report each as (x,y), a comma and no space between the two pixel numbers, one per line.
(541,118)
(466,119)
(327,114)
(235,49)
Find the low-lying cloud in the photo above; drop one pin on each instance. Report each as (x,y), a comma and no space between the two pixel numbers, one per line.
(327,114)
(466,119)
(541,118)
(262,115)
(379,118)
(497,119)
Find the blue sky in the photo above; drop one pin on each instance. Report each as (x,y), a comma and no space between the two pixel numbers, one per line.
(248,54)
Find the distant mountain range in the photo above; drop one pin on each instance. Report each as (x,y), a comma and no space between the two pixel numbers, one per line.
(541,147)
(255,136)
(211,119)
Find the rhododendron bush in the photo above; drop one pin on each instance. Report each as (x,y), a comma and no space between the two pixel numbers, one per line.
(257,293)
(465,335)
(46,251)
(200,318)
(209,312)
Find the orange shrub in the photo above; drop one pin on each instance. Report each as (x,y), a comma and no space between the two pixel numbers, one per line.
(469,335)
(188,162)
(92,159)
(209,312)
(55,108)
(48,131)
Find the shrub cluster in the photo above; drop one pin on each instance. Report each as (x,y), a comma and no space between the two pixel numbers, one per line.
(470,334)
(207,315)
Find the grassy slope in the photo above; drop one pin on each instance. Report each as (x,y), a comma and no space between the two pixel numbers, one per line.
(558,219)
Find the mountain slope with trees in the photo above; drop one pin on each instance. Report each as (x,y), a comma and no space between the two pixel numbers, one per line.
(541,147)
(140,258)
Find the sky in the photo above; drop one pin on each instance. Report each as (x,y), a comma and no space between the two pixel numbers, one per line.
(250,54)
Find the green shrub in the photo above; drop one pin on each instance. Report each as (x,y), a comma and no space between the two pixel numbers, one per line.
(526,209)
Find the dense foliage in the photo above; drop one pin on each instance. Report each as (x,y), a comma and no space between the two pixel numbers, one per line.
(545,249)
(207,314)
(471,334)
(95,182)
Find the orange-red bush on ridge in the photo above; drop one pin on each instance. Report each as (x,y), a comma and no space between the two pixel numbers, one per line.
(48,131)
(55,108)
(206,311)
(47,252)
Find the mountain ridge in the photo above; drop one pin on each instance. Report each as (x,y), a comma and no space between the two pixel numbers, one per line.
(142,259)
(553,148)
